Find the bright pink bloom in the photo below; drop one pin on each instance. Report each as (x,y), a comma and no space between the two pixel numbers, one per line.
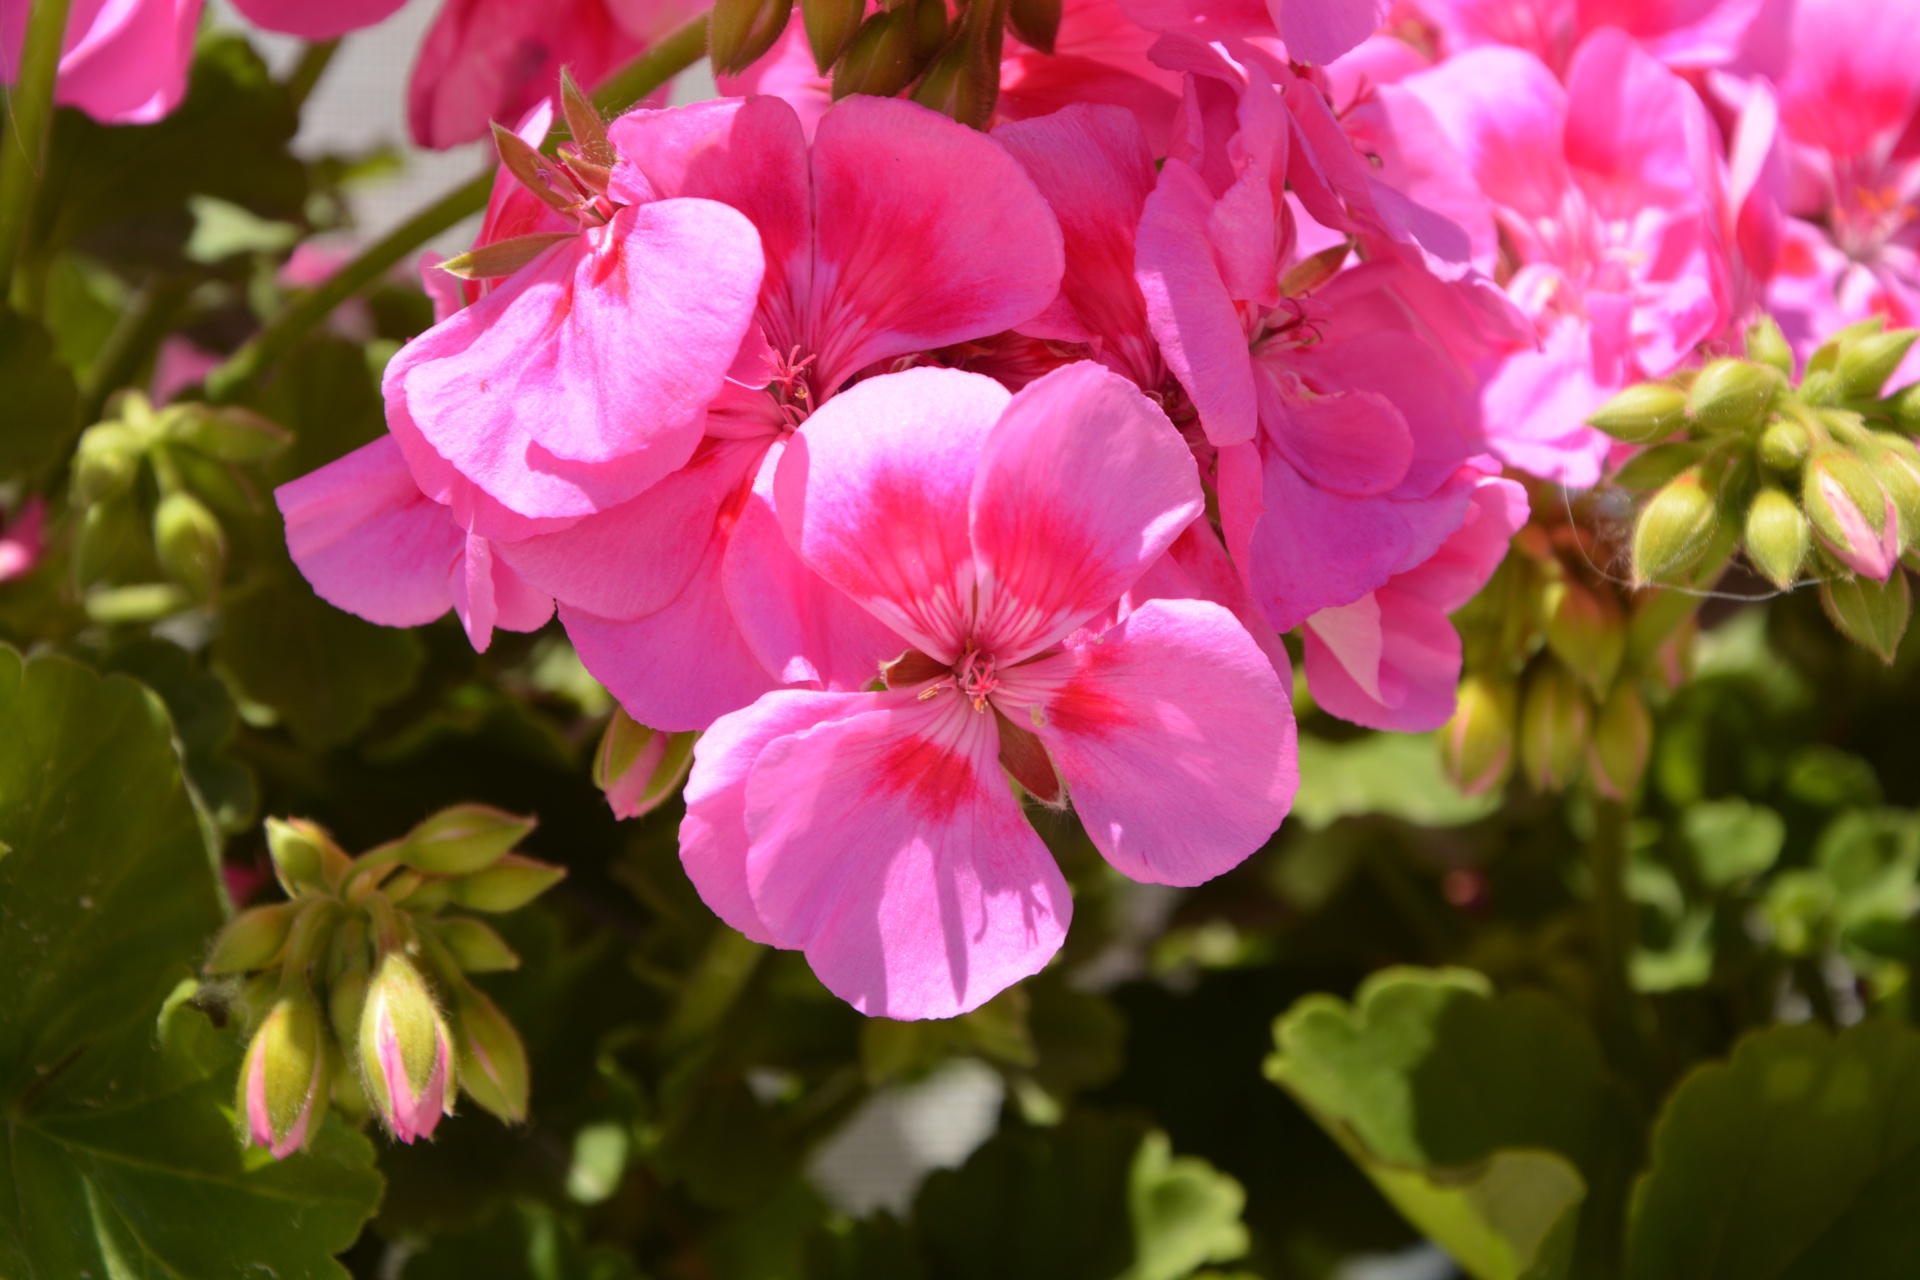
(1609,192)
(1099,58)
(1685,34)
(1316,31)
(896,232)
(22,539)
(487,60)
(372,544)
(872,830)
(123,61)
(178,365)
(316,19)
(1391,659)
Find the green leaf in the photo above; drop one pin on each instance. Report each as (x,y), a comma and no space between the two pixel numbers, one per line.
(1185,1213)
(40,403)
(203,717)
(1397,774)
(1798,1159)
(325,672)
(1486,1120)
(120,1157)
(1732,841)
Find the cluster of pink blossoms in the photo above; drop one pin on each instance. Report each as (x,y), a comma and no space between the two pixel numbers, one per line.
(903,459)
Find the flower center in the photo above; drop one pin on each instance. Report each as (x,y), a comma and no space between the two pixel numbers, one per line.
(791,386)
(974,672)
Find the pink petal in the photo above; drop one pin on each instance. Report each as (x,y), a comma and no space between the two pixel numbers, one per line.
(634,559)
(1464,563)
(315,19)
(1505,113)
(369,541)
(1322,30)
(874,494)
(122,62)
(1536,409)
(487,594)
(1196,567)
(1626,135)
(678,669)
(584,378)
(1680,33)
(1189,309)
(1355,443)
(927,233)
(1093,167)
(799,625)
(713,835)
(1081,486)
(1850,86)
(1174,736)
(888,846)
(1389,661)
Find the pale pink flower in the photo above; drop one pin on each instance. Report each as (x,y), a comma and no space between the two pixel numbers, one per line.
(985,531)
(123,61)
(896,232)
(1684,34)
(1391,659)
(1610,195)
(22,539)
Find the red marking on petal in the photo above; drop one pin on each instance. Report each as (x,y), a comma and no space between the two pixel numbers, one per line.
(1084,707)
(935,780)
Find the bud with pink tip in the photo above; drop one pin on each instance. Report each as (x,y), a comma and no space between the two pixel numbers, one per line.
(283,1081)
(406,1051)
(639,767)
(1854,516)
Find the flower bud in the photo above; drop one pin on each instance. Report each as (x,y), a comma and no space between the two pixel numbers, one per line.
(1586,631)
(964,80)
(882,57)
(1777,536)
(252,940)
(1871,614)
(739,31)
(1903,406)
(304,855)
(1895,463)
(473,946)
(1783,446)
(1826,356)
(191,546)
(1853,515)
(1476,746)
(1866,362)
(1732,395)
(1036,22)
(226,432)
(1674,529)
(1622,741)
(1555,722)
(507,885)
(638,767)
(1641,413)
(105,462)
(283,1079)
(463,838)
(493,1062)
(406,1051)
(830,26)
(1766,344)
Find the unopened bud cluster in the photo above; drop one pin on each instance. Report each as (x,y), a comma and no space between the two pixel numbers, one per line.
(148,485)
(1816,479)
(356,987)
(1559,663)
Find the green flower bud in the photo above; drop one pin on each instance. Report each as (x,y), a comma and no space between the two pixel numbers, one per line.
(474,947)
(1777,536)
(1674,530)
(1036,22)
(1476,746)
(1555,722)
(105,462)
(1732,395)
(191,546)
(1895,463)
(1783,446)
(507,885)
(1866,362)
(406,1051)
(462,839)
(252,940)
(1641,413)
(493,1062)
(830,26)
(882,58)
(1766,344)
(148,602)
(226,432)
(1871,614)
(304,855)
(1852,514)
(1622,741)
(1826,357)
(638,767)
(1903,406)
(739,31)
(283,1079)
(1586,631)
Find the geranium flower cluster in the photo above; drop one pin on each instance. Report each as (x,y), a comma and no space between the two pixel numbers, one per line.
(930,470)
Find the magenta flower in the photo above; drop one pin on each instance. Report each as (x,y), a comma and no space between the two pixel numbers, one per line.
(23,539)
(1316,31)
(123,61)
(316,19)
(1688,35)
(987,532)
(896,232)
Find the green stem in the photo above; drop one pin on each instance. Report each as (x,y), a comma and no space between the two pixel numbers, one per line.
(23,151)
(132,343)
(640,77)
(307,72)
(1621,1028)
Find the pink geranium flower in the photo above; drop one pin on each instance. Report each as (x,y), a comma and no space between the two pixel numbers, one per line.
(895,232)
(23,538)
(123,61)
(985,531)
(1609,192)
(1684,34)
(316,19)
(1315,31)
